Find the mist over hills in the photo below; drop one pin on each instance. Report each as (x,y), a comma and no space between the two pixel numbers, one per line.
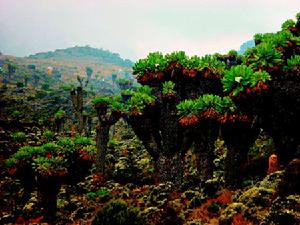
(87,53)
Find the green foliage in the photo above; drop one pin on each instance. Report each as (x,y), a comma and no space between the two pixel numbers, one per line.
(265,56)
(99,193)
(60,114)
(155,62)
(101,100)
(292,62)
(24,154)
(168,88)
(16,113)
(117,106)
(19,137)
(123,81)
(187,107)
(118,213)
(279,39)
(139,100)
(190,107)
(179,57)
(83,141)
(67,87)
(49,164)
(49,135)
(89,71)
(126,92)
(298,16)
(214,207)
(211,63)
(288,24)
(45,86)
(66,143)
(233,53)
(239,77)
(50,147)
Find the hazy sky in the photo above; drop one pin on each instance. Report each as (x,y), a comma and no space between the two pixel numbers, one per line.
(133,28)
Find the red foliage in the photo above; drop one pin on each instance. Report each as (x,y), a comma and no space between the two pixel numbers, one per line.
(49,155)
(190,72)
(150,76)
(231,118)
(238,219)
(210,114)
(37,220)
(12,171)
(189,120)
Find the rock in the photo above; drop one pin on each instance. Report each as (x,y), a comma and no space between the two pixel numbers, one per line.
(232,210)
(290,183)
(284,211)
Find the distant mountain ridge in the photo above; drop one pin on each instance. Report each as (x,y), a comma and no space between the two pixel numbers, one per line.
(86,53)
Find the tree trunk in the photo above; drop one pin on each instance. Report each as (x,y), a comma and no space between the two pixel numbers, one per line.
(238,137)
(204,147)
(101,142)
(170,168)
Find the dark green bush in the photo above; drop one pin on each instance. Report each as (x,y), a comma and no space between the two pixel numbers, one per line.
(19,137)
(117,213)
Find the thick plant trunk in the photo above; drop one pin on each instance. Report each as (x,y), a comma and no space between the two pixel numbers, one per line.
(80,122)
(204,147)
(170,168)
(101,142)
(48,188)
(238,137)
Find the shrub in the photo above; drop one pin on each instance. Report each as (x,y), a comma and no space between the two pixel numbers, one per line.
(117,213)
(232,53)
(178,57)
(49,135)
(101,192)
(292,62)
(84,141)
(288,24)
(139,101)
(50,147)
(239,77)
(190,107)
(101,100)
(212,64)
(168,88)
(24,154)
(155,62)
(214,207)
(19,137)
(66,143)
(16,113)
(50,166)
(264,56)
(60,114)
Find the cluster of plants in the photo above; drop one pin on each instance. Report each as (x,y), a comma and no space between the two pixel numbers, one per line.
(52,157)
(292,63)
(60,114)
(105,102)
(205,107)
(242,78)
(156,65)
(168,89)
(19,137)
(139,101)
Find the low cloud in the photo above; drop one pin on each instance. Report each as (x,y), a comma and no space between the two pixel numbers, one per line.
(135,27)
